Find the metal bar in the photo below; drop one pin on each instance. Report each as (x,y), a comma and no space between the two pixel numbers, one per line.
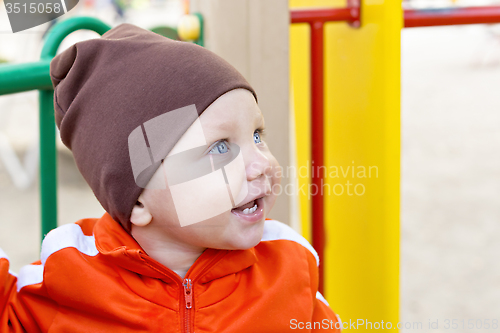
(348,14)
(62,29)
(316,18)
(17,78)
(48,155)
(317,179)
(451,16)
(201,39)
(48,162)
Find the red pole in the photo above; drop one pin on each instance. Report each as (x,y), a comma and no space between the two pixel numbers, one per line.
(451,16)
(324,15)
(318,229)
(316,19)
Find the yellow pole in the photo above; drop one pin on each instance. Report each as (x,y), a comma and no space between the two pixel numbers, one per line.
(362,158)
(301,99)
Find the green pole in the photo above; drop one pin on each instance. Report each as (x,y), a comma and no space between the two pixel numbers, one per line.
(16,78)
(201,39)
(48,155)
(48,162)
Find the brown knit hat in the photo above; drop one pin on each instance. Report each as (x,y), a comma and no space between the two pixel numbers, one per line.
(105,88)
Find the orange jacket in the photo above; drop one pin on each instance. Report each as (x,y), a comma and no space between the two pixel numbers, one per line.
(94,277)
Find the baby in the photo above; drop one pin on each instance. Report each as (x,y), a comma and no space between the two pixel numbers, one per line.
(170,138)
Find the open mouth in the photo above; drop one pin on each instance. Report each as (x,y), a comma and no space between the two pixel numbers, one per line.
(249,207)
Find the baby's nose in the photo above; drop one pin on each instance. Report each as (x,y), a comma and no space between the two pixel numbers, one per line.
(259,165)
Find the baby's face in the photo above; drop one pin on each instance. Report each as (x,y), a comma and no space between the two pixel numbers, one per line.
(232,128)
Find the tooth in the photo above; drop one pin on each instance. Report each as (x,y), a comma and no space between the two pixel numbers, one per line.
(245,211)
(251,210)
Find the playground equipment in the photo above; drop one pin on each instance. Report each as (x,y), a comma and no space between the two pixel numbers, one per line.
(351,80)
(190,28)
(31,76)
(451,16)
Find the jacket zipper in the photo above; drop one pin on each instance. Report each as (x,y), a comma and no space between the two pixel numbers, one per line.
(188,298)
(187,285)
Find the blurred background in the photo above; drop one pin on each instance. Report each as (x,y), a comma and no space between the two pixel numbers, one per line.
(450,158)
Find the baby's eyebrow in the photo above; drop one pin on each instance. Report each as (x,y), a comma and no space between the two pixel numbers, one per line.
(260,120)
(220,130)
(217,132)
(224,126)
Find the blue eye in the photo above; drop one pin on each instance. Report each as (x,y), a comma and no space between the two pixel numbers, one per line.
(219,148)
(256,136)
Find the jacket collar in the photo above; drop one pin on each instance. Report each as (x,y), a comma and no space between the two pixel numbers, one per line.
(120,248)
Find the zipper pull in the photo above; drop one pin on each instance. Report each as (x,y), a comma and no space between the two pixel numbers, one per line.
(188,293)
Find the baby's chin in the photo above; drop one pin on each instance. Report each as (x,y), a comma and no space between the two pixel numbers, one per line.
(235,236)
(246,236)
(235,244)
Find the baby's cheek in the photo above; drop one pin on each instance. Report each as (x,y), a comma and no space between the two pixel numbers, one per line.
(277,171)
(165,207)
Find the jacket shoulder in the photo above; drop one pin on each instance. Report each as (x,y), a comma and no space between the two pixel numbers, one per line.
(76,235)
(276,231)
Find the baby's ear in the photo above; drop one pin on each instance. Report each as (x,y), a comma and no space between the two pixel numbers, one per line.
(140,216)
